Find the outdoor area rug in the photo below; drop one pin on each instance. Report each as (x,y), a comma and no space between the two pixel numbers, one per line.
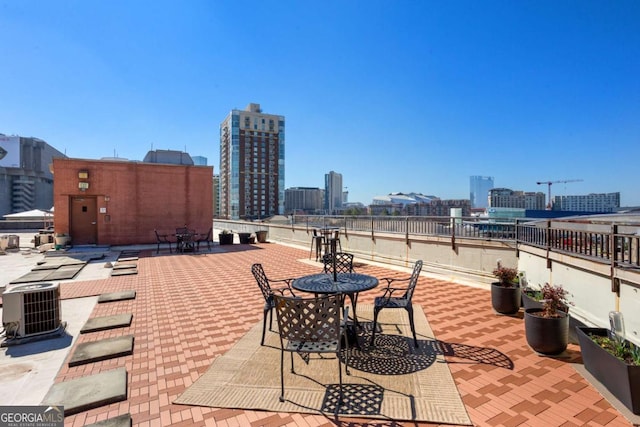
(391,380)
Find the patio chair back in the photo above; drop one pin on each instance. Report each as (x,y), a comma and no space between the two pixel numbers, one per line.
(413,281)
(263,281)
(268,293)
(343,264)
(310,325)
(393,298)
(161,238)
(206,239)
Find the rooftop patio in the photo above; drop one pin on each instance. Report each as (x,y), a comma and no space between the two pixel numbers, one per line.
(191,308)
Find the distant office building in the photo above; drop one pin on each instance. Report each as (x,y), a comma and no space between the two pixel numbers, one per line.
(332,192)
(602,202)
(26,181)
(303,199)
(506,198)
(199,160)
(437,207)
(479,190)
(251,164)
(169,157)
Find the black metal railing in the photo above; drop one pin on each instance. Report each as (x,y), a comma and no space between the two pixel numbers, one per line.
(615,241)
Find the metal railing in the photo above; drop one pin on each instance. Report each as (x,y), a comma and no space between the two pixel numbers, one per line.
(615,241)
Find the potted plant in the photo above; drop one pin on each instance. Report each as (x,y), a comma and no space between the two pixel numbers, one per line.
(532,298)
(547,328)
(225,237)
(261,236)
(614,362)
(244,238)
(505,293)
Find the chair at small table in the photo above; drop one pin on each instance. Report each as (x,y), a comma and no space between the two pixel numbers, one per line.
(205,239)
(311,325)
(332,241)
(343,262)
(398,297)
(318,241)
(268,292)
(180,233)
(162,238)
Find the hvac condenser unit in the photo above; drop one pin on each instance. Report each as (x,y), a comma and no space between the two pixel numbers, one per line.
(29,310)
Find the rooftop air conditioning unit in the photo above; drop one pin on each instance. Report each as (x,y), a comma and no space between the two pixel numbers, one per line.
(29,310)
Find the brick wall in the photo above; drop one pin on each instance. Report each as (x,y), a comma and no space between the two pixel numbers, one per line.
(133,198)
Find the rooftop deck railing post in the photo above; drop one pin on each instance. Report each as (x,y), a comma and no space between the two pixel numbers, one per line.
(372,236)
(453,234)
(613,242)
(406,230)
(548,244)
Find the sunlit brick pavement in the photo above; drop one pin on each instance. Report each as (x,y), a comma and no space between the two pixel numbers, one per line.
(190,309)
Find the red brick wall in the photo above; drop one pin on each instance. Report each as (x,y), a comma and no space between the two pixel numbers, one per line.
(138,197)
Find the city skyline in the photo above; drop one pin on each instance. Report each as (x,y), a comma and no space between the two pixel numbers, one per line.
(403,96)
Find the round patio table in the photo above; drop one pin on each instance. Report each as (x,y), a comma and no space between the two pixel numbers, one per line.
(350,284)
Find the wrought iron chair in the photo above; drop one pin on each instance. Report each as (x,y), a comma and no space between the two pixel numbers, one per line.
(318,241)
(398,297)
(268,293)
(311,325)
(331,241)
(180,231)
(162,238)
(205,239)
(343,262)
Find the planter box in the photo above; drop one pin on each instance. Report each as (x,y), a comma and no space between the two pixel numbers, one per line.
(622,380)
(226,239)
(528,302)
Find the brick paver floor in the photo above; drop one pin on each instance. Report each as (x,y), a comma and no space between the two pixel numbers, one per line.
(191,308)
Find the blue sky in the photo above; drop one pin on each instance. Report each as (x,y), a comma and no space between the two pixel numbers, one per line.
(395,95)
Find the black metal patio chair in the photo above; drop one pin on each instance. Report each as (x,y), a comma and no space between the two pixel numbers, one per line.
(311,325)
(268,292)
(343,262)
(205,239)
(162,238)
(395,296)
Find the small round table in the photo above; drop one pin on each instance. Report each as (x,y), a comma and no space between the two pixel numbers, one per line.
(350,284)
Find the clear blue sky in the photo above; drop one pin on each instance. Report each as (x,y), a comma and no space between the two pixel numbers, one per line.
(395,95)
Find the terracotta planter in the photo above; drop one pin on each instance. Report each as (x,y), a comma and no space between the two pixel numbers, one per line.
(546,335)
(622,380)
(505,299)
(226,239)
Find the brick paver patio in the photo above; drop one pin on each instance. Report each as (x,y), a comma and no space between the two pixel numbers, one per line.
(191,308)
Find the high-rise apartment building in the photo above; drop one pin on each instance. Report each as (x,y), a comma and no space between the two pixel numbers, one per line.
(479,190)
(251,164)
(506,198)
(306,199)
(602,202)
(332,192)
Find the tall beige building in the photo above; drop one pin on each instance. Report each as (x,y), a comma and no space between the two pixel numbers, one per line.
(251,164)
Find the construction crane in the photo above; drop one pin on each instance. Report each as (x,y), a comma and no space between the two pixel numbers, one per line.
(549,183)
